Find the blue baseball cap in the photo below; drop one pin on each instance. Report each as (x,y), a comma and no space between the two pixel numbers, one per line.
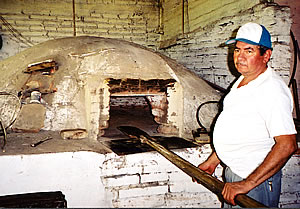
(253,33)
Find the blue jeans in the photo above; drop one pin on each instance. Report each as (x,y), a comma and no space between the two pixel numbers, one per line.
(267,193)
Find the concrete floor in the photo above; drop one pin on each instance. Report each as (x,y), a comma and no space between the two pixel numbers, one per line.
(20,144)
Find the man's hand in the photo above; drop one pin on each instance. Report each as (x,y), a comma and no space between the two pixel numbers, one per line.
(231,190)
(209,165)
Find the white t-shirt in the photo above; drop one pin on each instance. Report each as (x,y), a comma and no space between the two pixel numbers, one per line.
(252,115)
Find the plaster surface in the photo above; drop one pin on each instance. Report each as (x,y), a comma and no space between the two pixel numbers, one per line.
(77,95)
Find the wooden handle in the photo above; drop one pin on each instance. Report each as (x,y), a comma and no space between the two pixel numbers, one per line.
(208,181)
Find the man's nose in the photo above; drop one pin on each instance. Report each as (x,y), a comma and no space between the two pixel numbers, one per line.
(241,55)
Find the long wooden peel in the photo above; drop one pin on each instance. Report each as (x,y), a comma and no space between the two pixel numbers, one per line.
(211,183)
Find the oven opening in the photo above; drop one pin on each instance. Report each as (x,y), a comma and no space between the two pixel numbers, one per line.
(130,111)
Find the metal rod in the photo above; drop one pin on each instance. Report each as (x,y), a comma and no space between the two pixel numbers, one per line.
(211,183)
(40,142)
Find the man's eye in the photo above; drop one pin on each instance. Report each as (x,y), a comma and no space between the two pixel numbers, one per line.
(236,50)
(249,51)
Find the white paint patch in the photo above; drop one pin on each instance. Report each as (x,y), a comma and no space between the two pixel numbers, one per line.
(77,175)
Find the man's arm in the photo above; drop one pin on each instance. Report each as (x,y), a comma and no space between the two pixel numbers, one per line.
(284,147)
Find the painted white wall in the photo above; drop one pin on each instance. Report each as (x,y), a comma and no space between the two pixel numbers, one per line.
(90,180)
(76,174)
(93,180)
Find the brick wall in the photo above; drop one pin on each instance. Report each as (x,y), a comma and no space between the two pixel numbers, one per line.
(38,21)
(291,183)
(141,180)
(203,51)
(207,25)
(139,101)
(150,180)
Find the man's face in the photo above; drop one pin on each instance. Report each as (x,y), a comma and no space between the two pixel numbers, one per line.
(248,61)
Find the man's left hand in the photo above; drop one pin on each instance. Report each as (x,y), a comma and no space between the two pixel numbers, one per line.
(231,190)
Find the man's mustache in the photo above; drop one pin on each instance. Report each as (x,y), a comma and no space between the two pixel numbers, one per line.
(241,63)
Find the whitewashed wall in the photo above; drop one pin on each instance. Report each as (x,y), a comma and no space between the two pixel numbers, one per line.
(89,179)
(35,21)
(77,175)
(204,53)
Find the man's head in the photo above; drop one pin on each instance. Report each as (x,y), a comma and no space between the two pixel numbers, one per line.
(253,49)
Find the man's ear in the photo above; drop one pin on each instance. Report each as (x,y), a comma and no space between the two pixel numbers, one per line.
(267,55)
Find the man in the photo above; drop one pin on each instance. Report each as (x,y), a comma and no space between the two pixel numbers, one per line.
(254,135)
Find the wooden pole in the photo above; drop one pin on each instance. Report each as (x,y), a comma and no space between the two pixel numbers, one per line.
(182,16)
(74,21)
(211,183)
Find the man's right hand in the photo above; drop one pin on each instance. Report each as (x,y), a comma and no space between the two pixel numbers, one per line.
(209,165)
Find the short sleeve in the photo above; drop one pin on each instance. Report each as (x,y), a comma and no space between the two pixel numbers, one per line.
(276,109)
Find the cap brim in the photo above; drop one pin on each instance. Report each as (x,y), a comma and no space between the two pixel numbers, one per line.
(232,41)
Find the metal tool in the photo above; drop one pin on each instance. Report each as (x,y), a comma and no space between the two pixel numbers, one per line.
(211,183)
(40,142)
